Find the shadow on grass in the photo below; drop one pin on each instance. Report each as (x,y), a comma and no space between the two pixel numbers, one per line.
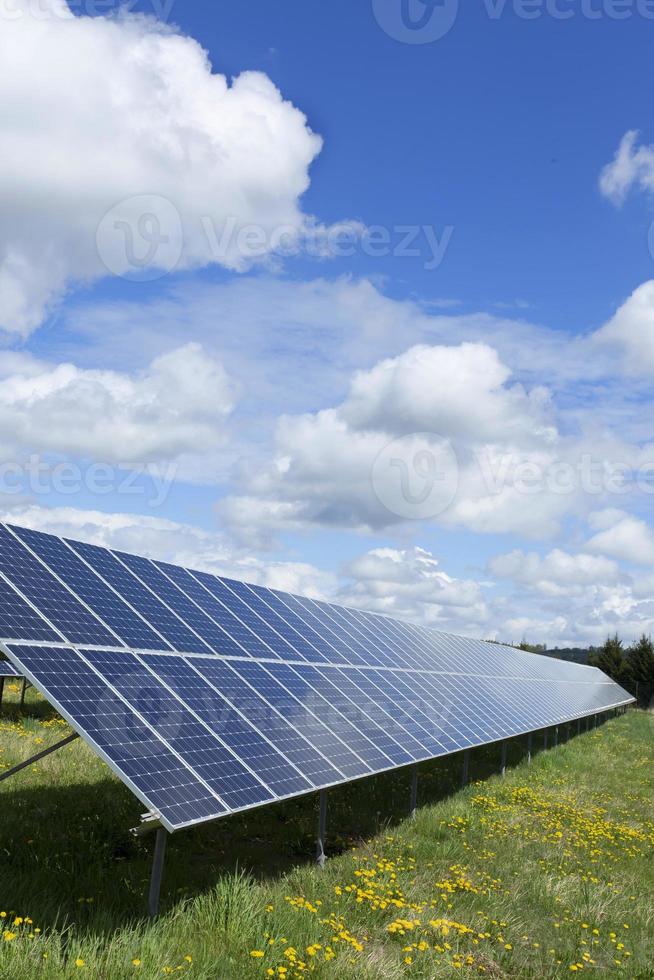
(67,856)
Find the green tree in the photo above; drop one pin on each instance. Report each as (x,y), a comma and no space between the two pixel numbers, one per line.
(639,669)
(611,658)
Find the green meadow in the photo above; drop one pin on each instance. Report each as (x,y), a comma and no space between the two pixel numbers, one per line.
(545,873)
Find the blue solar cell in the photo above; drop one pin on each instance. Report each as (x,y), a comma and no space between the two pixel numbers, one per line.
(335,636)
(250,745)
(156,579)
(50,597)
(92,590)
(18,621)
(309,718)
(272,644)
(161,780)
(7,669)
(174,723)
(324,652)
(159,617)
(264,717)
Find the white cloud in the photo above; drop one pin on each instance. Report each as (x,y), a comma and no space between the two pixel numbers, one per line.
(556,574)
(137,112)
(411,585)
(631,330)
(177,405)
(623,536)
(632,165)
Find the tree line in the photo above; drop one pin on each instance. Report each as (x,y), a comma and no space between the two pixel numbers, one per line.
(632,667)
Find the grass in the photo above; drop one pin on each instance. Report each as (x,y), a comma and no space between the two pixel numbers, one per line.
(546,873)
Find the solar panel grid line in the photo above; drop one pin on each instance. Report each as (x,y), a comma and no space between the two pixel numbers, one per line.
(382,694)
(329,639)
(21,608)
(252,735)
(182,579)
(34,574)
(300,641)
(147,797)
(465,726)
(346,767)
(147,724)
(7,669)
(367,724)
(240,630)
(411,696)
(365,657)
(163,586)
(337,637)
(235,786)
(77,575)
(201,721)
(122,558)
(315,767)
(230,598)
(265,599)
(366,634)
(406,741)
(306,724)
(373,754)
(272,629)
(393,636)
(159,617)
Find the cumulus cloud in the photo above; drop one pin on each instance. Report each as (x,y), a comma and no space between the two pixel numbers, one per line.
(632,165)
(410,584)
(558,573)
(631,330)
(138,128)
(177,405)
(622,536)
(438,432)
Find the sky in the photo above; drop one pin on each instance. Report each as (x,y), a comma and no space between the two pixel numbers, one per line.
(350,299)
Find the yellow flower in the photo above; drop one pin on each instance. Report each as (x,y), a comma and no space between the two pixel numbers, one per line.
(256,953)
(8,936)
(189,959)
(136,962)
(79,962)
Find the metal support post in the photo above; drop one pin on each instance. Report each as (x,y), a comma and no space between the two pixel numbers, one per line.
(39,755)
(578,726)
(22,693)
(466,767)
(2,689)
(413,806)
(545,738)
(157,871)
(503,761)
(556,736)
(322,829)
(529,742)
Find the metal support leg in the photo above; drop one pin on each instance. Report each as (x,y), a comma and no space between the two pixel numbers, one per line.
(466,768)
(503,761)
(22,693)
(578,726)
(595,721)
(556,736)
(157,871)
(2,690)
(545,739)
(587,723)
(413,806)
(39,755)
(322,829)
(529,743)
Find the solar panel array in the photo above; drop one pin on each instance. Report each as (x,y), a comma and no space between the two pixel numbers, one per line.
(209,696)
(7,669)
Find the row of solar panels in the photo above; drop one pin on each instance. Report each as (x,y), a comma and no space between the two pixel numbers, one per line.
(208,696)
(197,737)
(91,596)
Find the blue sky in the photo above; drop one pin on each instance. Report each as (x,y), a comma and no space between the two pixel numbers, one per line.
(467,305)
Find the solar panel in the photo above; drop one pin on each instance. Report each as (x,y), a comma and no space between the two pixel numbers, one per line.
(7,669)
(209,696)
